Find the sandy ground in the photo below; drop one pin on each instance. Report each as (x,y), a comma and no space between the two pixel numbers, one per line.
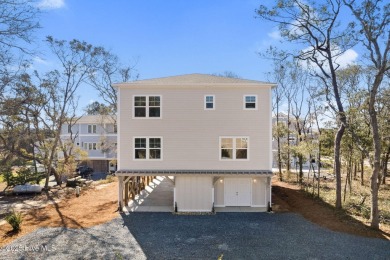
(290,198)
(94,206)
(98,205)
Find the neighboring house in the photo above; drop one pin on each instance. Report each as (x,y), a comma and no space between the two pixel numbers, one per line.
(97,136)
(212,134)
(292,138)
(283,119)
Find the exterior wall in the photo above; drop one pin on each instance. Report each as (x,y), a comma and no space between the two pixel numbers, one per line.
(194,193)
(191,134)
(219,193)
(260,192)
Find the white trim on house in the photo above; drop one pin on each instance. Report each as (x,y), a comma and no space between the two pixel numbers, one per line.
(256,102)
(146,106)
(206,102)
(148,148)
(234,148)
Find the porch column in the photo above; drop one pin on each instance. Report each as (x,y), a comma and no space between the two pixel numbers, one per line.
(120,192)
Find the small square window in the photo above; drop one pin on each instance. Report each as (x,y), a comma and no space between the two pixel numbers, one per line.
(209,102)
(250,102)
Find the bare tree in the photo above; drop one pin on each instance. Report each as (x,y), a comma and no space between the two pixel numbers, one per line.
(373,30)
(18,20)
(313,25)
(78,60)
(108,72)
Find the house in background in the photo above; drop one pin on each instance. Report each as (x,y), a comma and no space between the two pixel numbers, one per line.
(97,136)
(212,134)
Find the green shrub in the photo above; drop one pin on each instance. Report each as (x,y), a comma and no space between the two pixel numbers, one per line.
(15,220)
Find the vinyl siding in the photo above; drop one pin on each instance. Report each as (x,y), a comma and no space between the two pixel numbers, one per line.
(191,134)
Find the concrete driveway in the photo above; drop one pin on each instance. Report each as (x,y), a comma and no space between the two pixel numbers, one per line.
(168,236)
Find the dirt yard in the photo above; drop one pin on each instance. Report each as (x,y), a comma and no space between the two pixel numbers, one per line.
(99,204)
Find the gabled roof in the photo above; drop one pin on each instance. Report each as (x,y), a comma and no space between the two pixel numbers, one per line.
(194,80)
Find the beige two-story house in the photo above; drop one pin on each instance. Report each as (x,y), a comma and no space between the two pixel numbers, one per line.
(212,134)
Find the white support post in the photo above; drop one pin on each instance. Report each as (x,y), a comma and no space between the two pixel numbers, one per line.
(269,182)
(120,192)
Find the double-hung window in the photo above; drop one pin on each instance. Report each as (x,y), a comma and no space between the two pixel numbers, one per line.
(91,129)
(250,102)
(147,106)
(90,146)
(147,148)
(234,148)
(209,102)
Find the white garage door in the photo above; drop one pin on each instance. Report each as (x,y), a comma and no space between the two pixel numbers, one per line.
(238,192)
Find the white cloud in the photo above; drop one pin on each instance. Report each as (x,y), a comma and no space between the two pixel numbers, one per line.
(275,35)
(40,60)
(51,4)
(344,59)
(347,58)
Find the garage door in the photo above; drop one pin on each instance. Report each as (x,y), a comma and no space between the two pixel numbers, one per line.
(238,192)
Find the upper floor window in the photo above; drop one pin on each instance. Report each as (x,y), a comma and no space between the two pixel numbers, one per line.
(147,106)
(250,102)
(209,102)
(90,146)
(147,148)
(69,128)
(234,148)
(115,128)
(91,129)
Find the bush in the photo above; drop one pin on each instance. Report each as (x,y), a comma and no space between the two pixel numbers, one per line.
(15,220)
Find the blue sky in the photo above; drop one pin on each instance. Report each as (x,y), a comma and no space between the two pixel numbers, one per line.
(164,37)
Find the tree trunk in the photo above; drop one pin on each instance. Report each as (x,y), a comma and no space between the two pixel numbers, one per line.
(278,139)
(362,170)
(300,161)
(375,173)
(288,166)
(337,164)
(385,168)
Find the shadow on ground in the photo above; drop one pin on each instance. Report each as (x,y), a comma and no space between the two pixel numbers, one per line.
(245,236)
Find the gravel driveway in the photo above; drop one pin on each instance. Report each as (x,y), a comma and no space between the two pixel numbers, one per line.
(167,236)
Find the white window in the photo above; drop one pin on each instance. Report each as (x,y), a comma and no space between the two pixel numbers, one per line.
(147,106)
(147,148)
(209,102)
(90,146)
(233,148)
(91,129)
(250,102)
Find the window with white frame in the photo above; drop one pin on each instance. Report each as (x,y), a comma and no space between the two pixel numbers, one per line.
(91,129)
(250,102)
(90,146)
(234,148)
(69,128)
(209,102)
(147,148)
(147,106)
